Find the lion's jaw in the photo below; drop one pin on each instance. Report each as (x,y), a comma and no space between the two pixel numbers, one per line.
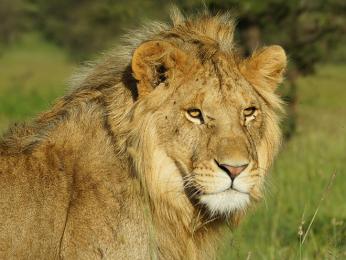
(217,192)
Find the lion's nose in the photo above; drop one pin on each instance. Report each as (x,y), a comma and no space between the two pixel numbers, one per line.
(233,170)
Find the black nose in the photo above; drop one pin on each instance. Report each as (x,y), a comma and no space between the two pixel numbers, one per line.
(232,170)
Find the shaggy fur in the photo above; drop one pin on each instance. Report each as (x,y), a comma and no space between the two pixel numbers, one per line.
(132,163)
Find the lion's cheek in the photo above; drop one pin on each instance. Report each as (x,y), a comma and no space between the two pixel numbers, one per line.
(164,182)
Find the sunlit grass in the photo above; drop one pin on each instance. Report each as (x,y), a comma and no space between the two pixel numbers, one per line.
(33,73)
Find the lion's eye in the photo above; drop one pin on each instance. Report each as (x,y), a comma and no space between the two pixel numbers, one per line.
(249,111)
(249,114)
(195,115)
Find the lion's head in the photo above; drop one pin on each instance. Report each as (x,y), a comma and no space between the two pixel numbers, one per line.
(204,125)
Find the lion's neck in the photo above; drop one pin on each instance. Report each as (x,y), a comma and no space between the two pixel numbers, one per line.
(173,239)
(178,229)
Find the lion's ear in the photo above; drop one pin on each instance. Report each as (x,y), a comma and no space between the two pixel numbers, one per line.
(153,62)
(265,68)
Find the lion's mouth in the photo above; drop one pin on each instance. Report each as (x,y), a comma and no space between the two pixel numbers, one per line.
(236,190)
(226,201)
(230,189)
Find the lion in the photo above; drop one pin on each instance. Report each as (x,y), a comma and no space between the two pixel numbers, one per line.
(156,147)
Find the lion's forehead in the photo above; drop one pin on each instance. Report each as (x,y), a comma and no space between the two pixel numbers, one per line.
(222,87)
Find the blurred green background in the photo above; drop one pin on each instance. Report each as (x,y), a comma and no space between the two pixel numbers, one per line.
(43,41)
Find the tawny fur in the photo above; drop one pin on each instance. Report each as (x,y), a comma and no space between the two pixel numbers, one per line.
(105,173)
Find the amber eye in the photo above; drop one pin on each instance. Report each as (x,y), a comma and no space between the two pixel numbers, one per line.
(194,112)
(195,115)
(249,111)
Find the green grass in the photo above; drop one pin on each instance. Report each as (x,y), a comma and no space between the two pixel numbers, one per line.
(34,73)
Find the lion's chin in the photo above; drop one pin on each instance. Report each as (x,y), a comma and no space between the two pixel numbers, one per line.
(225,202)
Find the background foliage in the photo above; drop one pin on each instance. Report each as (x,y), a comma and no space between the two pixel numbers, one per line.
(42,41)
